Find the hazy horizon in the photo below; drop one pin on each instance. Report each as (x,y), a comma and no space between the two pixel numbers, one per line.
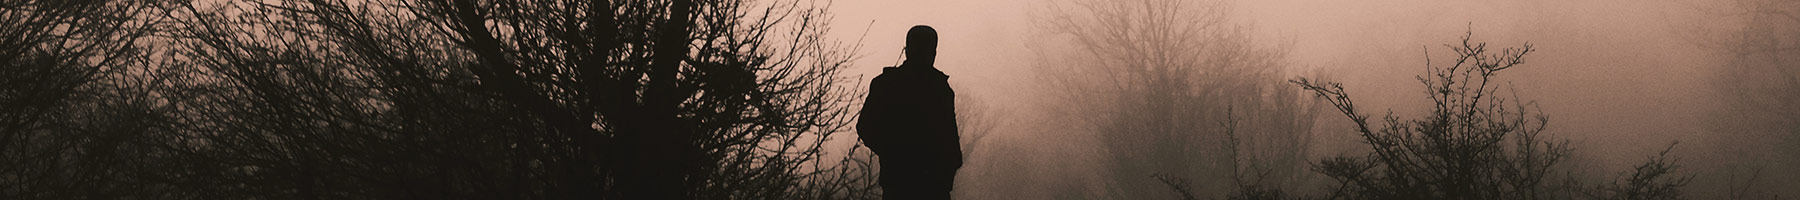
(778,99)
(1621,79)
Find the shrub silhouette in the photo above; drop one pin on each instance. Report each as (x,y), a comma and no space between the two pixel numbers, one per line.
(1653,179)
(674,99)
(1474,143)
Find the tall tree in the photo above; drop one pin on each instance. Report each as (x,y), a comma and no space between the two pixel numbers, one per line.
(1760,85)
(519,99)
(1154,81)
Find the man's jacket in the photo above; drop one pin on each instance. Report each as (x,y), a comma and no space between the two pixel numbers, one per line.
(910,117)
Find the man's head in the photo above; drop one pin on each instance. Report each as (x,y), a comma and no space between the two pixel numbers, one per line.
(921,45)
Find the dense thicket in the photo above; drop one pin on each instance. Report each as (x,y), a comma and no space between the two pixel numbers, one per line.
(74,112)
(423,100)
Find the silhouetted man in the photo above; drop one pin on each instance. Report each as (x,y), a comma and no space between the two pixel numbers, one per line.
(909,120)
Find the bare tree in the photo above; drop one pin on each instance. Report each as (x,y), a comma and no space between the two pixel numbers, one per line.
(1153,79)
(976,119)
(1760,73)
(517,99)
(1475,143)
(1654,179)
(74,122)
(1759,121)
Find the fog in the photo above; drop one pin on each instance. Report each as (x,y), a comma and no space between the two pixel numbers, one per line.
(1620,79)
(777,99)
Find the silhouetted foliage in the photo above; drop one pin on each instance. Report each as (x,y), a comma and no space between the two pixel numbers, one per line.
(1474,144)
(1180,185)
(684,99)
(1654,179)
(75,119)
(577,99)
(323,99)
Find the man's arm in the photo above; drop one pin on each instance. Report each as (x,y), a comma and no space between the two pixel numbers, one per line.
(946,116)
(871,124)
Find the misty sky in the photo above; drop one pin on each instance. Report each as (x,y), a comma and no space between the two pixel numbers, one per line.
(1621,78)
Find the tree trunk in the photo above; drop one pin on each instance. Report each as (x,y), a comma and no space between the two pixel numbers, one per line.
(663,151)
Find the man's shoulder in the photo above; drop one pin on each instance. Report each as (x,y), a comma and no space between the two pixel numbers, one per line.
(888,74)
(910,74)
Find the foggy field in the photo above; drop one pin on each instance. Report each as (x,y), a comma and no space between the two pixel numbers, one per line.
(1621,80)
(762,99)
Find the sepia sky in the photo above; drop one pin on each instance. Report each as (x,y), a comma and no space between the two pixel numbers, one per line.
(1621,78)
